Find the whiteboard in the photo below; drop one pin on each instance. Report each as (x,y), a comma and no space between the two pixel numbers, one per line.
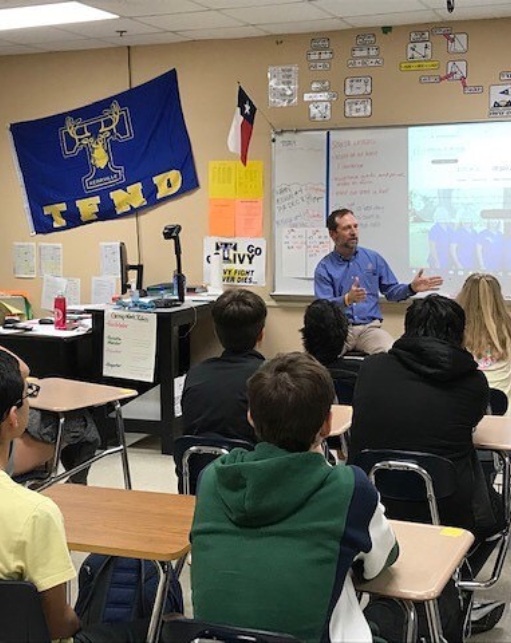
(401,183)
(299,205)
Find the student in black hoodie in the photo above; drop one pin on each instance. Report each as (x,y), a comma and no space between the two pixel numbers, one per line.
(426,394)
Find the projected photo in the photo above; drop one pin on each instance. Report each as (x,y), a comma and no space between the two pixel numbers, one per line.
(459,186)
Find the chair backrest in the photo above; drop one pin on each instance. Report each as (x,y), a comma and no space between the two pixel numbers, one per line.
(498,402)
(194,452)
(344,376)
(182,630)
(410,477)
(21,613)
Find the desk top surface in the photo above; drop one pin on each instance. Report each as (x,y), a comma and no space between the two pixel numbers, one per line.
(493,432)
(341,418)
(120,522)
(428,557)
(187,305)
(60,395)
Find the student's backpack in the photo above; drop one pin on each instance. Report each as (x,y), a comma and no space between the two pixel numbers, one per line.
(454,605)
(119,590)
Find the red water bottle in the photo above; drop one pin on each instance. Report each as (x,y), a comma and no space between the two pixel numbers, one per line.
(59,312)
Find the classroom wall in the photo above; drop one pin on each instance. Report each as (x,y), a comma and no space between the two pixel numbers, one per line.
(35,86)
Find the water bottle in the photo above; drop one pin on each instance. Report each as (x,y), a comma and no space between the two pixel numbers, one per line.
(59,311)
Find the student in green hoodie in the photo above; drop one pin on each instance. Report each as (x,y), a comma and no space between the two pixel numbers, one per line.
(277,530)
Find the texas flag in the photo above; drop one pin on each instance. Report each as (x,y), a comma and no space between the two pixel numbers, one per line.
(242,125)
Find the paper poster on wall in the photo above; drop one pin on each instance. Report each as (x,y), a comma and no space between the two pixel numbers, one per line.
(72,292)
(222,217)
(249,180)
(283,86)
(222,179)
(103,289)
(23,258)
(249,218)
(50,259)
(110,258)
(243,260)
(52,286)
(129,345)
(235,199)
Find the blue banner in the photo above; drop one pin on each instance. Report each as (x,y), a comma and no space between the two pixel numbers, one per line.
(106,160)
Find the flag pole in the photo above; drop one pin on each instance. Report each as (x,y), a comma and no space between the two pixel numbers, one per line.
(261,112)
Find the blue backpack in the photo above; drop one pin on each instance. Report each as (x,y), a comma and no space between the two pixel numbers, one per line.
(112,589)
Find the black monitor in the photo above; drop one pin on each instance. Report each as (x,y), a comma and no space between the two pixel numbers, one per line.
(126,268)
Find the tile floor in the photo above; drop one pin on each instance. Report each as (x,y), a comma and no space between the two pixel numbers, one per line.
(150,470)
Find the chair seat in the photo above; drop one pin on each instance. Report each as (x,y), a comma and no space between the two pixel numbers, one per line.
(182,630)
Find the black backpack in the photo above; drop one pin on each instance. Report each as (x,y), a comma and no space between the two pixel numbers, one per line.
(119,590)
(454,605)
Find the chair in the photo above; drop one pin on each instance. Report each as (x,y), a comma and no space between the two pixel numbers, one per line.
(194,452)
(398,482)
(491,462)
(182,630)
(21,613)
(411,477)
(498,402)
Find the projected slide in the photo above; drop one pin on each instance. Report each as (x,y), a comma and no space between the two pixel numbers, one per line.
(459,183)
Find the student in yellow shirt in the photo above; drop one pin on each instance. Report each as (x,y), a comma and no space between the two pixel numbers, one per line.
(33,542)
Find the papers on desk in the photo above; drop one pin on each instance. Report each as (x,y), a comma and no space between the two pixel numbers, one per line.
(34,329)
(129,345)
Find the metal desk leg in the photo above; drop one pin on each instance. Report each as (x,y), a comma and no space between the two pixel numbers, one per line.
(434,622)
(58,446)
(165,574)
(121,437)
(121,448)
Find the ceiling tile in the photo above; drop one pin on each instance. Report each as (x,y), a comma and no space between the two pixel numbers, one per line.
(160,21)
(133,8)
(108,28)
(37,35)
(10,4)
(237,4)
(199,20)
(225,33)
(393,19)
(462,4)
(343,8)
(160,38)
(476,13)
(72,45)
(14,50)
(278,13)
(314,26)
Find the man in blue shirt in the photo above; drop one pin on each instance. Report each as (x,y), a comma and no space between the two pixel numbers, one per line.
(353,277)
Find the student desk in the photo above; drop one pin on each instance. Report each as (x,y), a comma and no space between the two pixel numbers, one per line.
(341,422)
(135,524)
(172,357)
(341,418)
(428,557)
(61,396)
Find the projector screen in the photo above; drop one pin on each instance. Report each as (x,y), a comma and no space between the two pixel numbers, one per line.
(436,197)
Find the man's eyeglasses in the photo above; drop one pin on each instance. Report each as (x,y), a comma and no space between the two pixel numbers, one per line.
(32,391)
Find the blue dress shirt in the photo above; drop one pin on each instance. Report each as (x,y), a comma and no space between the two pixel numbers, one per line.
(334,277)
